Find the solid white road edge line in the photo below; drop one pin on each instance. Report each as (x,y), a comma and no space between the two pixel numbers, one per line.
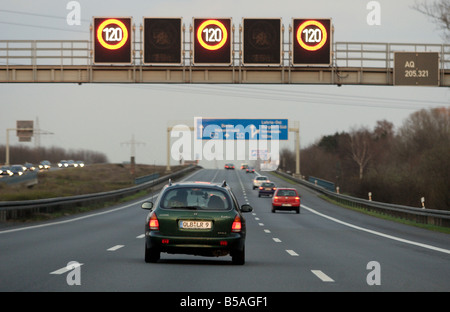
(378,233)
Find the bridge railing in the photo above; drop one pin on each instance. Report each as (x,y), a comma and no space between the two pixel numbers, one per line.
(381,55)
(79,52)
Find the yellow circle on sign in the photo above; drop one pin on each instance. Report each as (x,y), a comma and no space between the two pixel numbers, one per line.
(100,34)
(208,46)
(314,47)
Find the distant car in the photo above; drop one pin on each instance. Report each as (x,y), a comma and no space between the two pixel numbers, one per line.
(71,163)
(250,170)
(229,166)
(79,164)
(45,165)
(258,180)
(197,218)
(63,164)
(17,170)
(286,199)
(5,170)
(29,166)
(267,189)
(244,166)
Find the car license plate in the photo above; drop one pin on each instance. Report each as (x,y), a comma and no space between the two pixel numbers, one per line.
(268,189)
(286,205)
(195,225)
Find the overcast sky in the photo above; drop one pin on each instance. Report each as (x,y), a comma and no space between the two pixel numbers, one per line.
(101,117)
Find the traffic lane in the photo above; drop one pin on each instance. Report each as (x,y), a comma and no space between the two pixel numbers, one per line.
(205,271)
(287,270)
(253,276)
(170,273)
(267,267)
(311,199)
(352,251)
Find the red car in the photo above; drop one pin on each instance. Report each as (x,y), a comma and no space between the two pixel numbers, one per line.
(286,199)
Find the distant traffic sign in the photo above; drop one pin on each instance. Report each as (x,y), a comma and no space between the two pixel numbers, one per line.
(416,68)
(311,42)
(24,130)
(241,129)
(112,40)
(212,41)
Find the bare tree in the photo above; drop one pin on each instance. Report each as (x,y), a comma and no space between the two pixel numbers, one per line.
(439,12)
(360,142)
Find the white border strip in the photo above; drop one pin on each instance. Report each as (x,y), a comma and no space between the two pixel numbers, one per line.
(378,233)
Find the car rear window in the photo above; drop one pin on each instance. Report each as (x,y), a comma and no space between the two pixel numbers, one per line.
(286,193)
(261,178)
(196,198)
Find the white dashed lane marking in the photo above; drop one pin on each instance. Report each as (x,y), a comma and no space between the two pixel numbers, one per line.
(66,269)
(114,248)
(322,276)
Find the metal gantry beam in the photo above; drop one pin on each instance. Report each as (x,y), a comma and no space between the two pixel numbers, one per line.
(62,61)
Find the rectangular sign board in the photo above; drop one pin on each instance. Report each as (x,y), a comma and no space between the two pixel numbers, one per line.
(241,129)
(24,130)
(416,69)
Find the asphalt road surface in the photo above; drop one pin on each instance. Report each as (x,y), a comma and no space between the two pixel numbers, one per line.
(324,248)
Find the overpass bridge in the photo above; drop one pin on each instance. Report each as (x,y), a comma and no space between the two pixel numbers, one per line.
(71,61)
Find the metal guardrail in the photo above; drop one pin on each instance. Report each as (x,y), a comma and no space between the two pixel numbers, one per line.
(10,210)
(146,178)
(419,215)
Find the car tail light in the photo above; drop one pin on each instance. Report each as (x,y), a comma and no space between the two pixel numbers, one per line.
(274,188)
(275,198)
(260,187)
(297,199)
(237,225)
(153,223)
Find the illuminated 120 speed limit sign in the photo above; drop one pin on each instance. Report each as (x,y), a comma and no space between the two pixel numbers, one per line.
(212,41)
(311,42)
(112,40)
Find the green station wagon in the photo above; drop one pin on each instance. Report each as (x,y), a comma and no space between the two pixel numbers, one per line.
(197,218)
